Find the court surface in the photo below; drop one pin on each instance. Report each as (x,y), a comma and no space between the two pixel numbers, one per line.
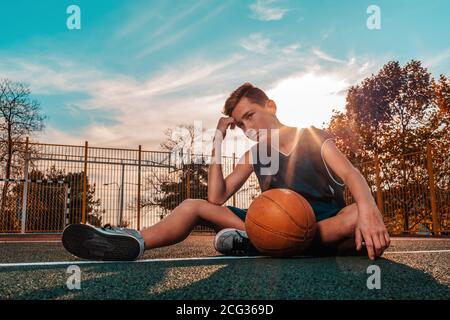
(412,268)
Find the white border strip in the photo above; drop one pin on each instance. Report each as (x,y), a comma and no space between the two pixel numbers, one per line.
(85,262)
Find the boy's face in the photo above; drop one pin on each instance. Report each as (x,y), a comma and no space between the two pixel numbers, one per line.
(251,117)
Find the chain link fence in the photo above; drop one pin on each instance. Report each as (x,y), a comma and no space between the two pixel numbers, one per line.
(50,186)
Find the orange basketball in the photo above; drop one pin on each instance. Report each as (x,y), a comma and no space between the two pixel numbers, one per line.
(280,222)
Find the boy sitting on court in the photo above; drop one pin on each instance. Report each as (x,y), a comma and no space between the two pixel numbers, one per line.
(308,163)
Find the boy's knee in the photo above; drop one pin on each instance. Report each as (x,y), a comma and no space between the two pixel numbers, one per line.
(192,205)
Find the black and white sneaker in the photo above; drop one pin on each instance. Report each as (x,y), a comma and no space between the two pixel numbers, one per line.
(234,242)
(108,243)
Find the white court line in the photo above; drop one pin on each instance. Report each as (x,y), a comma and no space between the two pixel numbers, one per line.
(27,241)
(83,262)
(59,241)
(419,239)
(418,251)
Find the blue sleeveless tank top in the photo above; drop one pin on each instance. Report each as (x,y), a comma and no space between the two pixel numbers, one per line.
(303,170)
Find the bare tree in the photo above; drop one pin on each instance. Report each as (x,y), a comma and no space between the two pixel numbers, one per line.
(19,116)
(186,141)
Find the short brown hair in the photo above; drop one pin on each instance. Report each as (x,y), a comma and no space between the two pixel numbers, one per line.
(247,90)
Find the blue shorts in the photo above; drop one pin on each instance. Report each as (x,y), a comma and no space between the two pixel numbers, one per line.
(242,213)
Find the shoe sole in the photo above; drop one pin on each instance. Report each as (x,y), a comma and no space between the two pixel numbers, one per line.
(91,243)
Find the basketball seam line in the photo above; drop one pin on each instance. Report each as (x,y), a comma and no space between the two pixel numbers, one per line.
(276,232)
(288,212)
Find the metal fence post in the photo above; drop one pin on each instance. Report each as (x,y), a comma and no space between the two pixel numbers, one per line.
(122,190)
(403,197)
(66,205)
(25,189)
(188,184)
(234,194)
(139,190)
(83,201)
(378,185)
(432,191)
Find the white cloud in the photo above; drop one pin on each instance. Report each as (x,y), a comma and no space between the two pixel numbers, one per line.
(138,22)
(256,42)
(190,90)
(140,110)
(176,18)
(55,135)
(263,10)
(155,44)
(140,17)
(291,48)
(324,56)
(62,76)
(437,59)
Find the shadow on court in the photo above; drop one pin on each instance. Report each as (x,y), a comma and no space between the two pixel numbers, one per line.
(299,278)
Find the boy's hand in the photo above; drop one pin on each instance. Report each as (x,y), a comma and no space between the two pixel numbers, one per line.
(370,228)
(224,123)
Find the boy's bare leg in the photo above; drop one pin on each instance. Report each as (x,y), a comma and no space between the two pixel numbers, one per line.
(337,233)
(333,233)
(180,222)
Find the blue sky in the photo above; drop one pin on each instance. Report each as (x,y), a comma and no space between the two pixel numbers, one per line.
(138,67)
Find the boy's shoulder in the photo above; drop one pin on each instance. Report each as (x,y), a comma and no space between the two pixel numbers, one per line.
(316,135)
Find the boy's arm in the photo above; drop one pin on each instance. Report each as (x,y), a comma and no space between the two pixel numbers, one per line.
(220,189)
(370,225)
